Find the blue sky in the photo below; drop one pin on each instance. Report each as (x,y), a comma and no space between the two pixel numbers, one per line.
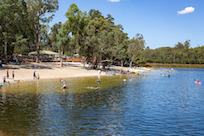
(158,21)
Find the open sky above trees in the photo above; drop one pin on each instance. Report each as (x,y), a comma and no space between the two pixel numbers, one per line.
(162,22)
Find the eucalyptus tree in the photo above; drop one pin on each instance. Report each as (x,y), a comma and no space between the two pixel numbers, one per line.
(37,10)
(53,35)
(119,41)
(76,23)
(13,15)
(63,39)
(97,32)
(44,39)
(136,45)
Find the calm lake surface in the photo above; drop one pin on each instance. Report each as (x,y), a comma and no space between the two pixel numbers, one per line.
(152,105)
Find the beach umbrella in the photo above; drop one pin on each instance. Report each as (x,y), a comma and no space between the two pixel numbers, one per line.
(44,52)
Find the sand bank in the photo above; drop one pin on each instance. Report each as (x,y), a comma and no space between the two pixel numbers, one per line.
(51,70)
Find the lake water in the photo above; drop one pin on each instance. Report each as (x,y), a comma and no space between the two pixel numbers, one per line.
(152,105)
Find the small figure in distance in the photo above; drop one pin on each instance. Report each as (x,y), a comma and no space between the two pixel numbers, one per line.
(34,76)
(198,80)
(116,79)
(38,76)
(4,78)
(13,75)
(7,72)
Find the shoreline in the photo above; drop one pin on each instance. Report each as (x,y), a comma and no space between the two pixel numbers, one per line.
(52,70)
(166,65)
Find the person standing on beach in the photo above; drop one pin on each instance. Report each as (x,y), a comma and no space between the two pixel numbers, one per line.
(7,73)
(4,79)
(34,75)
(13,75)
(38,76)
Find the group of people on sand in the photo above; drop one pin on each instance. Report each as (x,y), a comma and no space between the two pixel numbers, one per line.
(13,75)
(7,77)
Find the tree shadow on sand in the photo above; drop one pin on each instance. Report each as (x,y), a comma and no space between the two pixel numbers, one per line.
(25,66)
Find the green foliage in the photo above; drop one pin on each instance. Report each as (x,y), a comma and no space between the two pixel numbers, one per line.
(180,54)
(136,45)
(36,11)
(53,36)
(89,34)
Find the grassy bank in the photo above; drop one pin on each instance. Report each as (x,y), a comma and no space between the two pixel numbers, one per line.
(175,65)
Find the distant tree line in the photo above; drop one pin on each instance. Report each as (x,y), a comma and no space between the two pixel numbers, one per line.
(24,28)
(180,54)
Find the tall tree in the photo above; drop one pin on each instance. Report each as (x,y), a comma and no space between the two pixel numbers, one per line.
(13,15)
(137,44)
(63,39)
(76,23)
(37,10)
(53,35)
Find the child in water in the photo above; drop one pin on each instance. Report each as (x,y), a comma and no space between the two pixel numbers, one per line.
(64,86)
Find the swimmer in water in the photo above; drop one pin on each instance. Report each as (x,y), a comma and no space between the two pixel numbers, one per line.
(64,86)
(99,81)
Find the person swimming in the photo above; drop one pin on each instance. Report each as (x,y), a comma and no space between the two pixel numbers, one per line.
(198,80)
(64,86)
(99,81)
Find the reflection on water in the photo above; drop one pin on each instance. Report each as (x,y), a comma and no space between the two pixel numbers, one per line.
(152,105)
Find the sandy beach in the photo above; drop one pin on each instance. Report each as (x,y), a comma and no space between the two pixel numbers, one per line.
(51,70)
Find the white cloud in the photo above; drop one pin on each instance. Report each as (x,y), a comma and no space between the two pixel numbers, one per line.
(186,10)
(113,0)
